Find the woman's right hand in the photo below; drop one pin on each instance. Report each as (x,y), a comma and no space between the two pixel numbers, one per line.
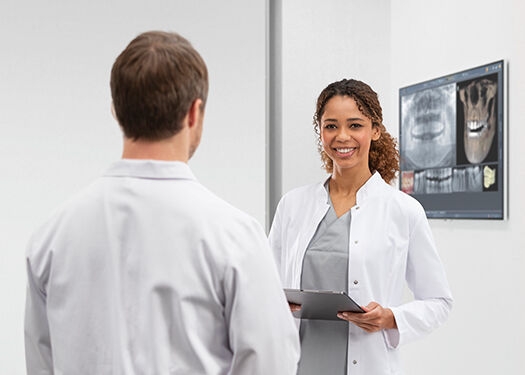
(294,307)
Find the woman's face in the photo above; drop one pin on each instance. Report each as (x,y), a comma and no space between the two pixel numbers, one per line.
(346,134)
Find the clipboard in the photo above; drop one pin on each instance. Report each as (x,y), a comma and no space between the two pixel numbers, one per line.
(321,304)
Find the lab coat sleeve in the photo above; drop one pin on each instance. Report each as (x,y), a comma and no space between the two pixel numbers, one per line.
(262,333)
(427,280)
(39,358)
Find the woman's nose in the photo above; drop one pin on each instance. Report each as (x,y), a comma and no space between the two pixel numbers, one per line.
(343,135)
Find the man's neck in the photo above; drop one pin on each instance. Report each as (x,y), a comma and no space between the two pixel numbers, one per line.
(171,149)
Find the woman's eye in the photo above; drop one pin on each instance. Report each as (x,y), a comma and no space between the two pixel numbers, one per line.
(355,125)
(330,126)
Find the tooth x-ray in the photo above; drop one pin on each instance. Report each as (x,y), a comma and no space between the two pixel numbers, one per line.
(428,124)
(477,120)
(451,143)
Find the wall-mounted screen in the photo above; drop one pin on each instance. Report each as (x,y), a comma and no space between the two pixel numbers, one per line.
(451,143)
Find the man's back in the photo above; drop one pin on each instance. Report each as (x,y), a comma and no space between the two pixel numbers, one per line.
(147,272)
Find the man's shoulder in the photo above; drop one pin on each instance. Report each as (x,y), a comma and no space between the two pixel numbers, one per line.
(209,205)
(62,214)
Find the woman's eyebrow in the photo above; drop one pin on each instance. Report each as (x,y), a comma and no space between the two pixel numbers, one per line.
(348,119)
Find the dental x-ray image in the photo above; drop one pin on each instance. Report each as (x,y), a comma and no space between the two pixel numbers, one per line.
(451,143)
(428,125)
(467,179)
(477,111)
(433,181)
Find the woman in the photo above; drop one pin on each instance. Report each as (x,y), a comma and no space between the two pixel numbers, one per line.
(355,232)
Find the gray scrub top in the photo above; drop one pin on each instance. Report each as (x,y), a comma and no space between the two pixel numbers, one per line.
(325,267)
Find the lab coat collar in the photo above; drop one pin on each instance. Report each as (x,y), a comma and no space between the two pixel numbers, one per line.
(151,169)
(372,186)
(322,191)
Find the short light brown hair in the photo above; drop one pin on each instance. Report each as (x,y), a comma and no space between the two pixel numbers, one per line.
(154,81)
(383,156)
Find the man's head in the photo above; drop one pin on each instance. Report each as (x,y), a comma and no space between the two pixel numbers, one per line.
(155,82)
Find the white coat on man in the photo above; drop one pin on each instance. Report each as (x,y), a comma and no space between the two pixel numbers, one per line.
(147,272)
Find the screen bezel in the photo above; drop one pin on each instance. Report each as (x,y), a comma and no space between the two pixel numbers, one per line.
(464,205)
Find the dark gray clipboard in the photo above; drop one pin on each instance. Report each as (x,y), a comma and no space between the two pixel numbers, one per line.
(320,304)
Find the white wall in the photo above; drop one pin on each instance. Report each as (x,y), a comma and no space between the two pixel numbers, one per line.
(484,259)
(57,133)
(391,44)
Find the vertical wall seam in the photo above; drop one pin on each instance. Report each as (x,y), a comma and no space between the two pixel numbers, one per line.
(274,109)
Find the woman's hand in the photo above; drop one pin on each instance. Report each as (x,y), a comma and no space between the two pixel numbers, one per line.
(375,318)
(294,307)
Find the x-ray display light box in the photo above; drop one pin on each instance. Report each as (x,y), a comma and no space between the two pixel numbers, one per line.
(451,143)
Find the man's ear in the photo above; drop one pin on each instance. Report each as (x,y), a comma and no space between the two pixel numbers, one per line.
(195,113)
(113,111)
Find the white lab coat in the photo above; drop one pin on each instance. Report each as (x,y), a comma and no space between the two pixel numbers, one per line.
(390,242)
(147,272)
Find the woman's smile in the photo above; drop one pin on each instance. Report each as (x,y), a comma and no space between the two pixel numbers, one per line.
(345,152)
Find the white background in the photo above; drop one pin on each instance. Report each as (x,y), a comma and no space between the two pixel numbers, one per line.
(57,133)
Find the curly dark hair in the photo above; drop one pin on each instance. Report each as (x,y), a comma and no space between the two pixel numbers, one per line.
(383,156)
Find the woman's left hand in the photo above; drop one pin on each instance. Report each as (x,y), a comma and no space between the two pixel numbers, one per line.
(375,318)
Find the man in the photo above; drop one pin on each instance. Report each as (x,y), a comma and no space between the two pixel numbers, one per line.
(146,271)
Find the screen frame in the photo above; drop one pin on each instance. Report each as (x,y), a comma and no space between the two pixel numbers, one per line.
(431,202)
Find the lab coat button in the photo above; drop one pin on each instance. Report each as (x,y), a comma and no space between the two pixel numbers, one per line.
(356,241)
(357,207)
(356,282)
(354,362)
